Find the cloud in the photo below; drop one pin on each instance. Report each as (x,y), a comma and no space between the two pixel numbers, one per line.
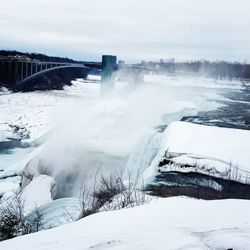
(133,30)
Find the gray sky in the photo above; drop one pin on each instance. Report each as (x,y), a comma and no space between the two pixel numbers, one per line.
(132,29)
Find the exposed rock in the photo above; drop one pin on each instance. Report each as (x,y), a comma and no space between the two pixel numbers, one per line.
(197,185)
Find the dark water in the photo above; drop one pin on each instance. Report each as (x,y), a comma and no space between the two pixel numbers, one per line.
(235,112)
(197,185)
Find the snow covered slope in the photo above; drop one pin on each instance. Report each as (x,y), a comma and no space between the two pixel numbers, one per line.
(170,223)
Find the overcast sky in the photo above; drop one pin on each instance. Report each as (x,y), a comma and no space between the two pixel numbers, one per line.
(131,29)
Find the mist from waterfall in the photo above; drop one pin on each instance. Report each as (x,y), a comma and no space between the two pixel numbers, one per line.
(117,132)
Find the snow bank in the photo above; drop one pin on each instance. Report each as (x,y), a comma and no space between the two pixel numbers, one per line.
(170,223)
(94,77)
(220,152)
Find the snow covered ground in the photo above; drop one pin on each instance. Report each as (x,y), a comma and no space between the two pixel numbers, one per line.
(30,115)
(170,223)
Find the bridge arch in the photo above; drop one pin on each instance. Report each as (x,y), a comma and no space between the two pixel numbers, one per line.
(13,71)
(53,69)
(53,78)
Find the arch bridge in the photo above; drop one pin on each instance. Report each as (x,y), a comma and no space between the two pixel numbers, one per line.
(18,73)
(14,72)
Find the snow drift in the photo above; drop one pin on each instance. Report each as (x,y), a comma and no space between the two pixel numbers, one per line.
(171,223)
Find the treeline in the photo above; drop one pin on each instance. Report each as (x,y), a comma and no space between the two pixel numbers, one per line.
(218,69)
(36,56)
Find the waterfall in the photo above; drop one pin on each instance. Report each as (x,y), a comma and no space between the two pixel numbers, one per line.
(144,152)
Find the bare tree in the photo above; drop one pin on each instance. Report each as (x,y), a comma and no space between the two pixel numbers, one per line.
(112,193)
(34,221)
(13,221)
(12,218)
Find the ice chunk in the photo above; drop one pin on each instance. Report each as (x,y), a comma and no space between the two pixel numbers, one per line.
(59,212)
(41,190)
